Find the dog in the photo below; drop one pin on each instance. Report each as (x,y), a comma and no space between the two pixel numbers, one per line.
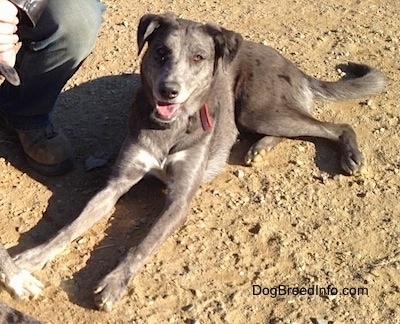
(200,85)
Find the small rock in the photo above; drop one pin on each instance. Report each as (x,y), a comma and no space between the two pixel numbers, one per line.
(301,148)
(362,172)
(331,297)
(337,177)
(192,321)
(82,240)
(197,293)
(239,174)
(92,163)
(188,308)
(255,229)
(319,321)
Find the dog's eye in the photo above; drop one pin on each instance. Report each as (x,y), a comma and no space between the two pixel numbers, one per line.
(162,50)
(162,53)
(198,58)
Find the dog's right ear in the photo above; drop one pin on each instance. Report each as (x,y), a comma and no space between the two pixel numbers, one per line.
(148,24)
(227,44)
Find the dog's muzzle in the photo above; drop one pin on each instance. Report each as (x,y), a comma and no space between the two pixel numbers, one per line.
(165,113)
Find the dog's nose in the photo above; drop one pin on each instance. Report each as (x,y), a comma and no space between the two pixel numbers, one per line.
(169,90)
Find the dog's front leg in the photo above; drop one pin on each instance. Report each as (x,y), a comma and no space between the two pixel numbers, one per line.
(131,166)
(184,175)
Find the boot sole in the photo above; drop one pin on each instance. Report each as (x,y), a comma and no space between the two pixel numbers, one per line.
(51,170)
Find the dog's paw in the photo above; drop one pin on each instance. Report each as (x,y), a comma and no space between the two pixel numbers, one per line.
(352,163)
(255,155)
(23,285)
(109,291)
(259,150)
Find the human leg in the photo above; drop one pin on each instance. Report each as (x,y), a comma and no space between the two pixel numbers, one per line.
(50,54)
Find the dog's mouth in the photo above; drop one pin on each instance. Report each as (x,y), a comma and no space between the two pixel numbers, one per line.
(166,111)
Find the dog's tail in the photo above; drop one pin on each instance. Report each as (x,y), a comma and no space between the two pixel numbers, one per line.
(360,81)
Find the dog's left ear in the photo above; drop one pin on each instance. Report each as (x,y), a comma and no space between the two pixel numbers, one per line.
(148,24)
(227,44)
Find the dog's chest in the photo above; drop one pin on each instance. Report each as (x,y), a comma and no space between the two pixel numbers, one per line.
(158,168)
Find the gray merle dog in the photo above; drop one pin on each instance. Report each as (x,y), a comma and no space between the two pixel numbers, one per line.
(200,85)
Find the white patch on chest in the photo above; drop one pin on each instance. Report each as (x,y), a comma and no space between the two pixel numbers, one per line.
(153,167)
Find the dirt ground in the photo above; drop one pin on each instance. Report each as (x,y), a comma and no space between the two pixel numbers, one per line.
(293,221)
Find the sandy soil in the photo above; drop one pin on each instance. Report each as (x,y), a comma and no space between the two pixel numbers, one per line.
(293,221)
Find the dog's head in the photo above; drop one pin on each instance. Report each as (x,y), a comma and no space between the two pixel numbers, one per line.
(181,61)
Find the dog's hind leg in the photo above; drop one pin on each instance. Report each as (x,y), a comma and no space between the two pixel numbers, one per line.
(293,123)
(132,165)
(184,176)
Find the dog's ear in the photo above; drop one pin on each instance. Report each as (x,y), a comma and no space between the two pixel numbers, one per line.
(148,24)
(227,44)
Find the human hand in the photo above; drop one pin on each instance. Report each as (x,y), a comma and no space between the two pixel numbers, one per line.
(8,40)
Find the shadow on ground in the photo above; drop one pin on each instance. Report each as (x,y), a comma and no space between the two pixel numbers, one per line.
(94,117)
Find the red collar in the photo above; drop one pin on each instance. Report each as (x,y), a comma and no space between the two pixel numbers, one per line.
(205,118)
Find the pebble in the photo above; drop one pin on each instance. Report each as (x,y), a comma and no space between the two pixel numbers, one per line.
(93,162)
(320,321)
(188,308)
(301,148)
(239,174)
(197,293)
(83,240)
(193,321)
(331,297)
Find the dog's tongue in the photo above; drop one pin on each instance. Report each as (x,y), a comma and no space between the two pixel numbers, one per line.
(166,110)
